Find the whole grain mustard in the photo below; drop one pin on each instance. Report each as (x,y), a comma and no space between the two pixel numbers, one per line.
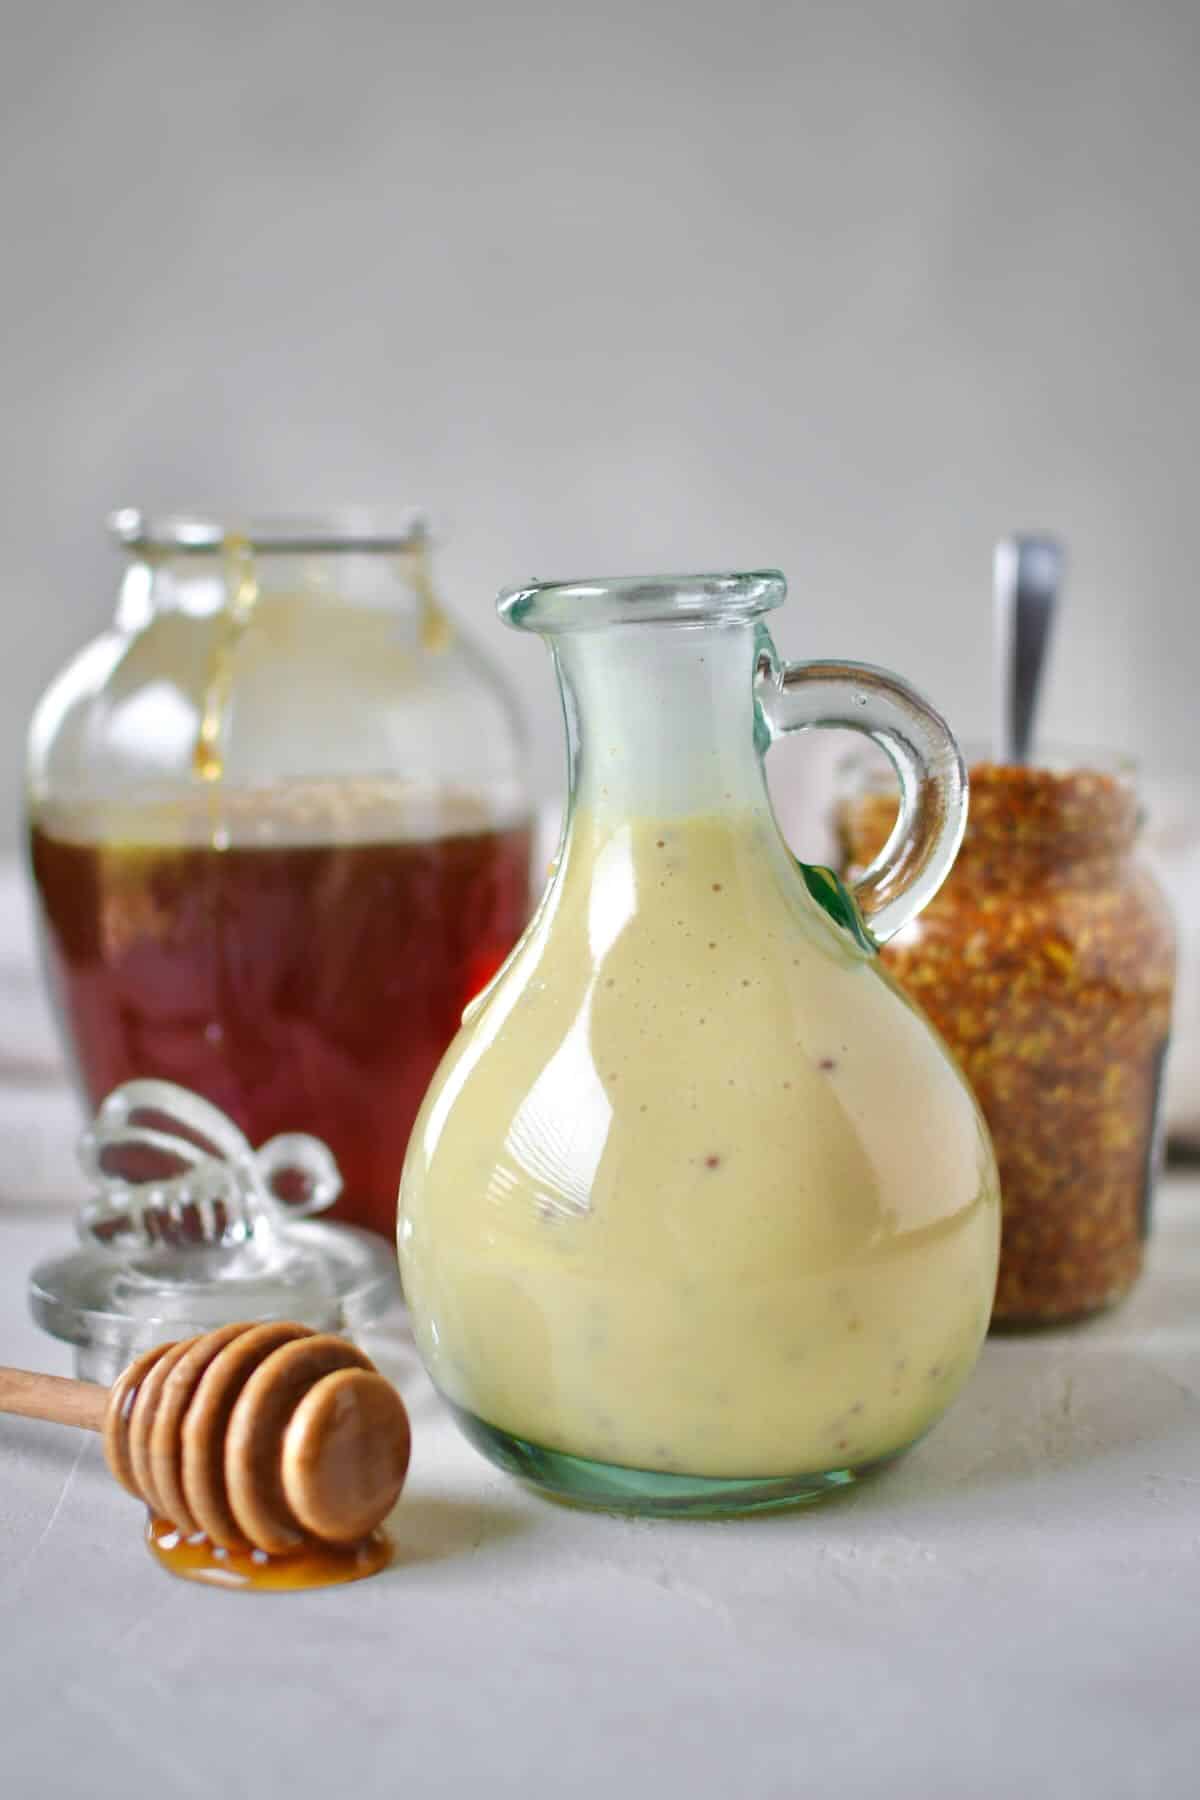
(1047,963)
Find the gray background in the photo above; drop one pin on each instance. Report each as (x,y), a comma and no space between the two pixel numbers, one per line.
(850,289)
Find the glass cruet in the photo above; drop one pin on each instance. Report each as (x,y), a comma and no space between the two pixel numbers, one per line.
(699,1214)
(280,832)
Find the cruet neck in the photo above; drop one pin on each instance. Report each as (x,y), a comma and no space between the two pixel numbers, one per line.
(661,720)
(657,677)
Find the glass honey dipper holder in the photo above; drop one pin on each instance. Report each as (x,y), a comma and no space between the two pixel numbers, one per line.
(187,1227)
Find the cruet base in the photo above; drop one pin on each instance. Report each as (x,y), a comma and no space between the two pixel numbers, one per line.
(653,1493)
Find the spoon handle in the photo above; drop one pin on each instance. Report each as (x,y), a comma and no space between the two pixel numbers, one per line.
(53,1397)
(1027,577)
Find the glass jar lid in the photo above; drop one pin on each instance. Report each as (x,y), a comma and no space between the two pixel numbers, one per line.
(187,1228)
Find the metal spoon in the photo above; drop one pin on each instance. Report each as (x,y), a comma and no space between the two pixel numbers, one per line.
(1027,577)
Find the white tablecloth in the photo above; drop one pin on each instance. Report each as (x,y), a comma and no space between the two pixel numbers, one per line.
(1013,1610)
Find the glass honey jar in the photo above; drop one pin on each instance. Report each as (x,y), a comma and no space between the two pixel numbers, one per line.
(279,833)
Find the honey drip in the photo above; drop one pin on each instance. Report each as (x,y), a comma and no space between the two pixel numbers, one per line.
(435,626)
(241,586)
(314,1565)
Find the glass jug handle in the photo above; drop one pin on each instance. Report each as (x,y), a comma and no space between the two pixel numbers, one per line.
(918,855)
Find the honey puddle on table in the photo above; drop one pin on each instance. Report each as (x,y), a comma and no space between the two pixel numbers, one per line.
(316,1565)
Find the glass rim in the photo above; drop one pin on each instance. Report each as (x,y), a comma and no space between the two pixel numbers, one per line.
(353,531)
(722,596)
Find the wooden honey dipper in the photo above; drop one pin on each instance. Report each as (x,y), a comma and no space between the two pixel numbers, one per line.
(267,1436)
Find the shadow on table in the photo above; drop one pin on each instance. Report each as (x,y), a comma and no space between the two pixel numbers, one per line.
(36,1445)
(391,1348)
(1081,1407)
(1053,1423)
(430,1528)
(1164,1317)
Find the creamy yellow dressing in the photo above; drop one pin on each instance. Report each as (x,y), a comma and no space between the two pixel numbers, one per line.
(695,1190)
